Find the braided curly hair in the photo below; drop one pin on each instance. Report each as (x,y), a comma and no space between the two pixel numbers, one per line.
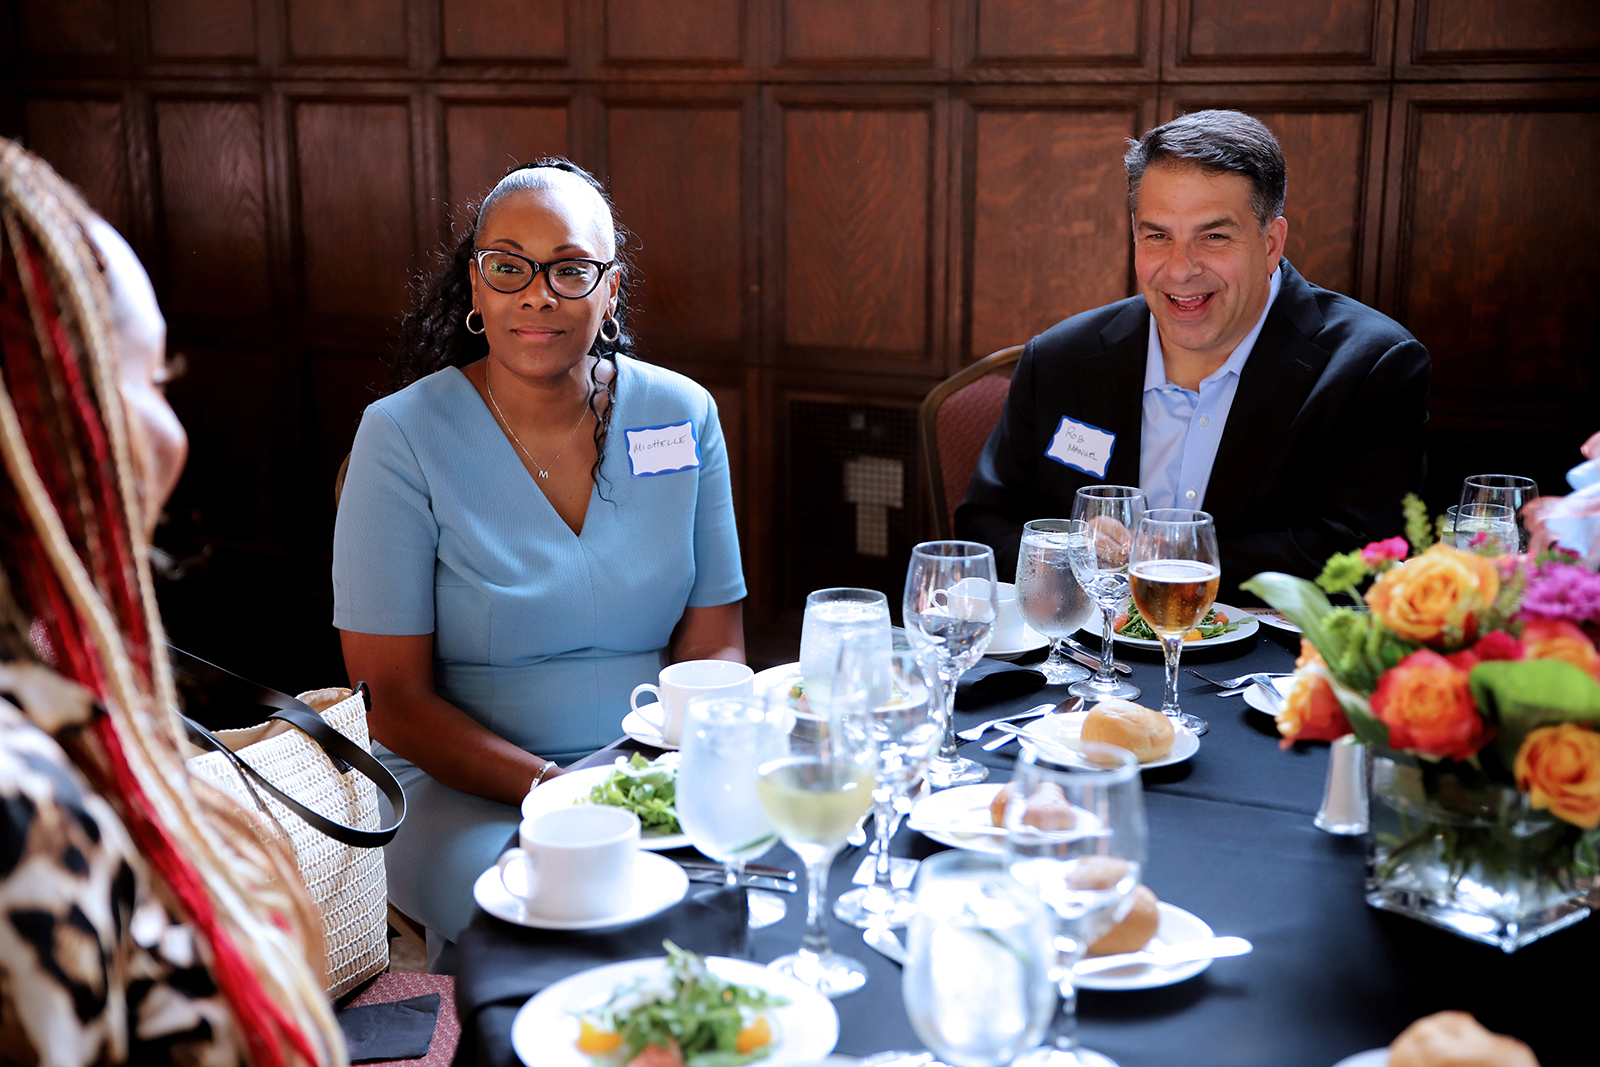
(433,335)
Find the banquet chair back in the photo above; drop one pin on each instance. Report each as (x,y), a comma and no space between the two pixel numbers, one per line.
(953,424)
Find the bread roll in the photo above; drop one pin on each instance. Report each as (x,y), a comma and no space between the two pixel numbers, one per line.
(1455,1039)
(1134,932)
(997,806)
(1147,734)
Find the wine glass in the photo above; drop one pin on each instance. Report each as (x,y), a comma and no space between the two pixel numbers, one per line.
(899,723)
(949,609)
(831,615)
(1173,572)
(1488,529)
(1099,557)
(978,979)
(814,792)
(724,740)
(1076,835)
(1509,490)
(1049,596)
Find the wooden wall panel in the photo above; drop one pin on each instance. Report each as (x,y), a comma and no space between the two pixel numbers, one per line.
(685,212)
(356,206)
(1050,219)
(474,30)
(822,30)
(84,140)
(1326,152)
(1053,29)
(685,31)
(69,27)
(483,141)
(1500,254)
(350,29)
(1468,29)
(1305,29)
(202,29)
(855,225)
(213,207)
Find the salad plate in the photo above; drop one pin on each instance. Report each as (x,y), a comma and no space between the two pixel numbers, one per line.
(545,1030)
(1176,927)
(573,788)
(1248,625)
(1069,725)
(1274,619)
(658,883)
(782,674)
(961,805)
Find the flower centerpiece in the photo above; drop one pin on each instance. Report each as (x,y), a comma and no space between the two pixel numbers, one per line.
(1475,682)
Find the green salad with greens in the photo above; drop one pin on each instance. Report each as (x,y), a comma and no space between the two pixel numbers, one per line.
(649,790)
(1132,624)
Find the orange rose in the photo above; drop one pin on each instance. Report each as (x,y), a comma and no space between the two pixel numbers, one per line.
(1309,655)
(1427,705)
(1311,712)
(1559,768)
(1559,639)
(1429,593)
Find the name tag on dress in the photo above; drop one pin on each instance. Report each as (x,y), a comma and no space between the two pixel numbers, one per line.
(662,449)
(1082,447)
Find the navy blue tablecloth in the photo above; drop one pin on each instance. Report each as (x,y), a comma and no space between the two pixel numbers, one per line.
(1231,840)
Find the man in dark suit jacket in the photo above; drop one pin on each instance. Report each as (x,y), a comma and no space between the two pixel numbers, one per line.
(1311,404)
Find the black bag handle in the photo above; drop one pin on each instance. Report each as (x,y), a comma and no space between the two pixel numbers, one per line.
(221,687)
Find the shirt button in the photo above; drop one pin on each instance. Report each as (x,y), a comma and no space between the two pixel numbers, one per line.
(1205,420)
(1189,495)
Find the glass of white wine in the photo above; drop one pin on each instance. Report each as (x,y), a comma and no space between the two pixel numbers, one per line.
(1173,572)
(1049,596)
(814,792)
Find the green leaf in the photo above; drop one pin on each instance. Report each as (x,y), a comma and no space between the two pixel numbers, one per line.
(1523,695)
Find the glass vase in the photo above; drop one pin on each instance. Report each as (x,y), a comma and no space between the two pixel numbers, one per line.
(1452,849)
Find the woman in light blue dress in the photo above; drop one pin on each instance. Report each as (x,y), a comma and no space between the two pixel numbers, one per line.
(533,524)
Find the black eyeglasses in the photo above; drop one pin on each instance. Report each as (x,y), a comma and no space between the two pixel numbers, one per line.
(509,272)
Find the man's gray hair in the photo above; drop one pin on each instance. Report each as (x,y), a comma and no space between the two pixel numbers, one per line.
(1218,142)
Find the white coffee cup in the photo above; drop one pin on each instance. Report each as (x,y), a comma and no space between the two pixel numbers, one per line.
(1010,631)
(680,682)
(969,599)
(576,863)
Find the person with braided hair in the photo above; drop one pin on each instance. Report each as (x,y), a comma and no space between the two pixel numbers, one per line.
(144,918)
(532,523)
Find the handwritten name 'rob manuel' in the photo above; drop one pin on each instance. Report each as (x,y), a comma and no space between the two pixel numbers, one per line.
(660,442)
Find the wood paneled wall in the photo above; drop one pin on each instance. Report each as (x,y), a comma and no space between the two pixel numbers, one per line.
(832,205)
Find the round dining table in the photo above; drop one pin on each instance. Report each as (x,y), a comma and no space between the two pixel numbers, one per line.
(1231,841)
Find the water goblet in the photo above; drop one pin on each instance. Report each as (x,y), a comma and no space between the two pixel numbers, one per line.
(1099,555)
(1487,529)
(1173,573)
(832,615)
(1509,490)
(949,611)
(1049,595)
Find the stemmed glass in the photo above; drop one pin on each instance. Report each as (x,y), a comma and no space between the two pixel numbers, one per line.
(831,616)
(978,979)
(724,740)
(1174,572)
(949,610)
(814,792)
(1489,529)
(1049,596)
(1076,835)
(1099,555)
(899,722)
(1510,490)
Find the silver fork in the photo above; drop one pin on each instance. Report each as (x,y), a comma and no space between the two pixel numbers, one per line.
(1235,683)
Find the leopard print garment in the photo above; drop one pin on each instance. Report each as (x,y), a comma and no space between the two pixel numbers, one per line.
(93,967)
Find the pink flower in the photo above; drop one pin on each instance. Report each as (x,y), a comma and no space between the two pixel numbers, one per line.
(1497,644)
(1562,591)
(1391,550)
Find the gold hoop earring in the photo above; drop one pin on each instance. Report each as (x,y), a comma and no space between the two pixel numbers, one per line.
(616,330)
(468,322)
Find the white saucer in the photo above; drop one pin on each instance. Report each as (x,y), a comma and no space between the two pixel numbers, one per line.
(1067,727)
(1177,926)
(658,883)
(643,731)
(1258,700)
(1032,640)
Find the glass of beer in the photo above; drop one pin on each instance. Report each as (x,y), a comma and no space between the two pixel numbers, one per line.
(1173,572)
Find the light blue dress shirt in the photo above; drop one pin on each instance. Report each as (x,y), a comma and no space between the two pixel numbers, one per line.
(1181,428)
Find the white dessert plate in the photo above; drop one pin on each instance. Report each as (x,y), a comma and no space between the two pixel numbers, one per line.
(1258,699)
(961,805)
(573,788)
(658,883)
(1177,926)
(545,1030)
(1248,625)
(1067,727)
(1373,1057)
(1272,618)
(644,731)
(1031,640)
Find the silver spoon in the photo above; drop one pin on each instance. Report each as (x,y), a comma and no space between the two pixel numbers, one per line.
(1210,948)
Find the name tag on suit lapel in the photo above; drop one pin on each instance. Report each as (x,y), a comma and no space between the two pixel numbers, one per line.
(1082,447)
(662,449)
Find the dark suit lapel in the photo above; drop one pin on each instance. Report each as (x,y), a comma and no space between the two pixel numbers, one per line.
(1110,389)
(1282,370)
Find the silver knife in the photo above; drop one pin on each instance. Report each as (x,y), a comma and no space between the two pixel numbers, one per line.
(1120,668)
(760,869)
(749,881)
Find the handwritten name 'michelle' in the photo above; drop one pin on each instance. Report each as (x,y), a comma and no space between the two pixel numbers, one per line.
(660,442)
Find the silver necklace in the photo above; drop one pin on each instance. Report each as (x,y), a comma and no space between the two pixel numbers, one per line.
(544,472)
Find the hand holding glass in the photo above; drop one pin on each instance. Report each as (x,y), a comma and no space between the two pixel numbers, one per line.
(1099,557)
(1049,595)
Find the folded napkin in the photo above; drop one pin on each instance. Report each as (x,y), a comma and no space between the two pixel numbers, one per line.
(993,680)
(401,1030)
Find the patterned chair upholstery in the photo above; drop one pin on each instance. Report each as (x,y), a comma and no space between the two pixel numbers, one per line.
(954,422)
